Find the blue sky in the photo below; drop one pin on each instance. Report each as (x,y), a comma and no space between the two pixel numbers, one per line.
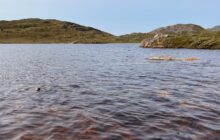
(116,16)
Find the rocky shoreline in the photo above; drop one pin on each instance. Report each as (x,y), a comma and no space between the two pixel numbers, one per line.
(205,40)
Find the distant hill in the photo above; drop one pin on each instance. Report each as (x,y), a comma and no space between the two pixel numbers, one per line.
(178,28)
(133,37)
(170,30)
(50,31)
(36,30)
(216,28)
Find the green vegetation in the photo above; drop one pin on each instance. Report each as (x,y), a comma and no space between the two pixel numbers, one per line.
(133,38)
(50,31)
(179,29)
(203,40)
(183,36)
(54,31)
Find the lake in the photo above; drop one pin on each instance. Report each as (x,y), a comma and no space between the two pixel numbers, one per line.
(107,92)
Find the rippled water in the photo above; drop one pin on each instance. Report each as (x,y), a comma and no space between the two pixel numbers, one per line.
(108,92)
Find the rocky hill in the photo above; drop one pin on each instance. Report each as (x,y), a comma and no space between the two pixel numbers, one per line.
(50,31)
(54,31)
(183,36)
(178,29)
(170,30)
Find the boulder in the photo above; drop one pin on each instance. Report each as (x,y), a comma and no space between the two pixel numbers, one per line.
(155,42)
(38,89)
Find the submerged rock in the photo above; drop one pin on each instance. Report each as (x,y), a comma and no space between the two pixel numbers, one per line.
(164,94)
(161,58)
(169,58)
(187,59)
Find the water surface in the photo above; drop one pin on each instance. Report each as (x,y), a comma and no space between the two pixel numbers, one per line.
(108,92)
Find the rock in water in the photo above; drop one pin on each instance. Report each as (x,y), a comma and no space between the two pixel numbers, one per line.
(37,89)
(169,58)
(187,59)
(161,58)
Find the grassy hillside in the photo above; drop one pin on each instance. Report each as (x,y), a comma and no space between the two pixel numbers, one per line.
(202,40)
(183,36)
(178,29)
(50,31)
(55,31)
(133,37)
(170,30)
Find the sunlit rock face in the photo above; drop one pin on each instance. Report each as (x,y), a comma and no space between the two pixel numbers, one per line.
(155,42)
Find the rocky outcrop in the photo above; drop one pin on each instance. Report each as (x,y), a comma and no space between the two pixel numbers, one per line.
(155,42)
(183,36)
(203,40)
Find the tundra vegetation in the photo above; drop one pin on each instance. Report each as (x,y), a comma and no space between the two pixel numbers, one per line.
(54,31)
(183,36)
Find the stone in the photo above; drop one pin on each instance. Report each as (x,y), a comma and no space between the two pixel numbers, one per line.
(154,42)
(38,89)
(169,58)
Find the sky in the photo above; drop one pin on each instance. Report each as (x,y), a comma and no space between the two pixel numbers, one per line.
(116,16)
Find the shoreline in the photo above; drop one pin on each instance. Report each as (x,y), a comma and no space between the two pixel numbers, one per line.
(104,44)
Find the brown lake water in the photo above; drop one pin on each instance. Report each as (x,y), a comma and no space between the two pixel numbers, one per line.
(108,92)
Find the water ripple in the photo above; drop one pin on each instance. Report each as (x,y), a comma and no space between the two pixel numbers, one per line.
(108,92)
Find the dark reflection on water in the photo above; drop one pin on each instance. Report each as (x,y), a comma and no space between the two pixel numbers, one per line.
(109,92)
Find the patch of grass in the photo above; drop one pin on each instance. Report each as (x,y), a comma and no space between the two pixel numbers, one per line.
(50,31)
(203,40)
